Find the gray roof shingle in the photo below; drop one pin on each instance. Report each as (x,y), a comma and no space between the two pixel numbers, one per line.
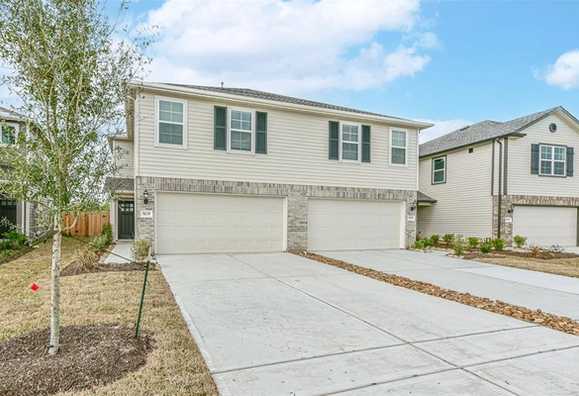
(7,114)
(425,198)
(252,93)
(481,131)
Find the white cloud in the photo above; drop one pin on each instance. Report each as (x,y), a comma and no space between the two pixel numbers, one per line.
(441,128)
(297,46)
(565,72)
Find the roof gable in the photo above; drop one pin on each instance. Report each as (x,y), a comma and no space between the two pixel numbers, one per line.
(486,130)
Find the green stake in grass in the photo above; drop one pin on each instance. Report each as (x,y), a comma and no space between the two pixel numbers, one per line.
(138,326)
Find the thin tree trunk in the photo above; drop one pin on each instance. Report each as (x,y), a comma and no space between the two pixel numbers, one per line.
(54,344)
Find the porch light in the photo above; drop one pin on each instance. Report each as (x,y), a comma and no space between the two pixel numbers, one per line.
(146,197)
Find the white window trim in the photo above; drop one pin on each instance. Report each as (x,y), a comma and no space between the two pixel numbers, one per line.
(157,121)
(253,126)
(553,160)
(443,170)
(340,148)
(16,131)
(405,164)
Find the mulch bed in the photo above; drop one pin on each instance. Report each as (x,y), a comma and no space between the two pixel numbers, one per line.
(560,323)
(541,254)
(75,268)
(89,356)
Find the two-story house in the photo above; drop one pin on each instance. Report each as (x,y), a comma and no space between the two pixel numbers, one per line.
(20,214)
(209,169)
(523,169)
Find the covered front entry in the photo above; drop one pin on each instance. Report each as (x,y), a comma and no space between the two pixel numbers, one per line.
(126,219)
(8,214)
(351,225)
(212,223)
(546,225)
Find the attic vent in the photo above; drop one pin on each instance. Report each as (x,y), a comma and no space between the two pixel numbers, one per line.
(553,127)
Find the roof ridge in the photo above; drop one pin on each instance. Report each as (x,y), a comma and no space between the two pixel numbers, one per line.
(285,98)
(481,131)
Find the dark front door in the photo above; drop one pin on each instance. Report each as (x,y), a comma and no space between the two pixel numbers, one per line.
(7,214)
(126,216)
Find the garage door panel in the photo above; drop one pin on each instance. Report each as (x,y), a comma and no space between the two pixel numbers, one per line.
(348,225)
(196,223)
(546,226)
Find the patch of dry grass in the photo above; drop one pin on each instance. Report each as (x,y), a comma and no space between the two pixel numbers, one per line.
(174,367)
(560,266)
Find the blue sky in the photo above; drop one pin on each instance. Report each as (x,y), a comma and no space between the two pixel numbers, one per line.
(451,62)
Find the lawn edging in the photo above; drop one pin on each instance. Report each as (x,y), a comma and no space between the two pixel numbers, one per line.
(556,322)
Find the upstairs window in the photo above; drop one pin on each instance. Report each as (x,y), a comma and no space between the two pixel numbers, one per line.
(350,142)
(398,146)
(241,130)
(439,170)
(553,160)
(171,122)
(8,134)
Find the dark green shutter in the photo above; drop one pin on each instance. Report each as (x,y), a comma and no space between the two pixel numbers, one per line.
(334,140)
(365,143)
(220,130)
(261,133)
(570,161)
(534,159)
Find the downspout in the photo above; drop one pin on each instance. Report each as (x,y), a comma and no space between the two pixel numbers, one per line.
(500,192)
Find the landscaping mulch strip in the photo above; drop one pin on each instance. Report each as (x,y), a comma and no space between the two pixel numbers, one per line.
(75,268)
(560,323)
(89,356)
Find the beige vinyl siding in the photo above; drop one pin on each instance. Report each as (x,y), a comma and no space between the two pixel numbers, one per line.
(124,159)
(464,204)
(297,151)
(520,179)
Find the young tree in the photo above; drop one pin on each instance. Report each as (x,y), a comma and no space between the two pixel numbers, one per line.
(70,75)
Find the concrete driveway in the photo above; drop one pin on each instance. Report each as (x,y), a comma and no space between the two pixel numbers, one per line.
(279,324)
(537,290)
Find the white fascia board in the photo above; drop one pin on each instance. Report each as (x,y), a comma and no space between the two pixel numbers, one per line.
(281,105)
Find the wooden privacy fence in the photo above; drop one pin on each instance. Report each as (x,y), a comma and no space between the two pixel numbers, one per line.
(88,224)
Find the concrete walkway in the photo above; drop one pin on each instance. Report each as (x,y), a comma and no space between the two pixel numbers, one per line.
(537,290)
(279,324)
(122,252)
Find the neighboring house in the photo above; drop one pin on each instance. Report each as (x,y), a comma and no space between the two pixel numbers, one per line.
(208,169)
(526,167)
(18,213)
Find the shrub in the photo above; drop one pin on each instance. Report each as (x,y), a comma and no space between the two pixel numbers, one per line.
(448,238)
(556,249)
(108,232)
(486,247)
(87,259)
(473,242)
(499,244)
(519,241)
(419,244)
(427,242)
(5,245)
(535,251)
(435,238)
(100,243)
(141,250)
(458,247)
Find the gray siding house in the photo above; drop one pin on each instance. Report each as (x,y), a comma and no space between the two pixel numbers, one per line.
(503,179)
(209,169)
(18,213)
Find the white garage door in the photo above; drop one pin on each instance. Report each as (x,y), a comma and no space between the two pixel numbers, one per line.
(546,226)
(343,225)
(205,223)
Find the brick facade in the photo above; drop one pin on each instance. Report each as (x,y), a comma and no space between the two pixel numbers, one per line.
(296,195)
(508,201)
